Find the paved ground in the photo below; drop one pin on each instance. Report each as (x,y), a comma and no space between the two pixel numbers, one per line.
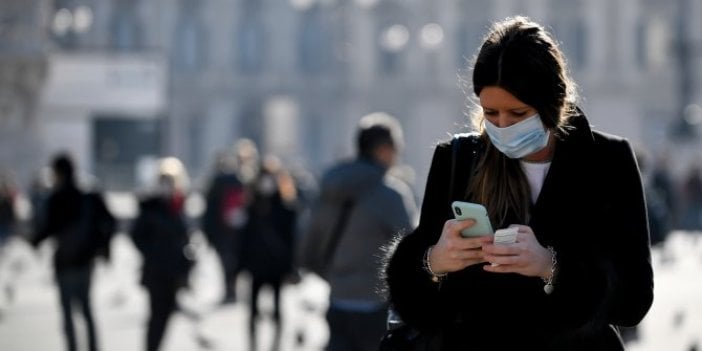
(675,319)
(29,318)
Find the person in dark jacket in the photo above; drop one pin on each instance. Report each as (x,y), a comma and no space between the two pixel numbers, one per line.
(160,234)
(268,241)
(692,188)
(8,215)
(580,266)
(224,219)
(82,226)
(361,206)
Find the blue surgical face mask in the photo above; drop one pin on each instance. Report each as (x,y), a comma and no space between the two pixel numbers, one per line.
(520,139)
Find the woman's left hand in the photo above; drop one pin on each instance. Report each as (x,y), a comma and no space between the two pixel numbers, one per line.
(526,256)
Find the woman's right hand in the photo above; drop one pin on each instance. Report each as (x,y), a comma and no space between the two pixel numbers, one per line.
(453,252)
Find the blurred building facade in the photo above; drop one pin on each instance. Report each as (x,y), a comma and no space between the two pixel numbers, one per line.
(121,81)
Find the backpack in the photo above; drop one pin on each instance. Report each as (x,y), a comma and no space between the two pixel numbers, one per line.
(89,236)
(103,224)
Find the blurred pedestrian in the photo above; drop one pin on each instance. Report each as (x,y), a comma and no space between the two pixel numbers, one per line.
(8,227)
(658,210)
(247,161)
(268,242)
(664,185)
(361,206)
(224,219)
(83,227)
(659,222)
(39,191)
(692,190)
(161,235)
(8,215)
(580,263)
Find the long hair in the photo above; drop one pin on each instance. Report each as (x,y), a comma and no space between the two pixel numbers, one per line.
(521,57)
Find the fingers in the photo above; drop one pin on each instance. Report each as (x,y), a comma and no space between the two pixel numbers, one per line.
(453,228)
(499,268)
(454,252)
(502,249)
(454,260)
(523,257)
(506,257)
(524,232)
(462,259)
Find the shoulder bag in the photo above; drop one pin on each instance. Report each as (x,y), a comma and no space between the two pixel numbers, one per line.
(404,337)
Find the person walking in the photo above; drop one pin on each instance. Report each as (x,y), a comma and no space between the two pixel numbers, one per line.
(160,234)
(692,189)
(8,215)
(224,219)
(82,226)
(268,240)
(580,266)
(361,206)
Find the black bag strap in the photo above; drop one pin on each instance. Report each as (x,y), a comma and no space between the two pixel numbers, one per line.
(455,143)
(475,145)
(394,321)
(338,229)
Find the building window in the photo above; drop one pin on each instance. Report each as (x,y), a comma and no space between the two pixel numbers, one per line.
(251,121)
(572,36)
(196,138)
(653,38)
(475,23)
(126,29)
(469,37)
(579,47)
(393,40)
(392,37)
(640,44)
(250,43)
(314,42)
(190,46)
(570,29)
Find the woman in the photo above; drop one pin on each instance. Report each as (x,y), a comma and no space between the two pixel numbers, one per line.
(161,236)
(268,240)
(580,266)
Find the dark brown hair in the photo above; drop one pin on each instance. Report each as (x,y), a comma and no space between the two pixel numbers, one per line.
(521,57)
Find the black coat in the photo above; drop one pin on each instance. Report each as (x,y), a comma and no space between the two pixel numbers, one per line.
(591,210)
(220,233)
(160,234)
(268,238)
(81,223)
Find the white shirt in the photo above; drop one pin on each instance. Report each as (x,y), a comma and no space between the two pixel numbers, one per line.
(535,173)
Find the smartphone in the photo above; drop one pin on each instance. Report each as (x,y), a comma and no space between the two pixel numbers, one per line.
(477,212)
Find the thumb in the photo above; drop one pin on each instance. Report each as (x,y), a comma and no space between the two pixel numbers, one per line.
(461,224)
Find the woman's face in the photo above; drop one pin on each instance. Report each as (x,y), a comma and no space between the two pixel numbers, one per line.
(502,108)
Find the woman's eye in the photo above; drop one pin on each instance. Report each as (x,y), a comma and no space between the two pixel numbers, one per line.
(490,113)
(519,114)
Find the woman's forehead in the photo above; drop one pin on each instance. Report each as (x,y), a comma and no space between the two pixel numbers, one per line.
(497,98)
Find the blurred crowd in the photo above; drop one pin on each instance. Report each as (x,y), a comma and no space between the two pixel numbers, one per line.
(674,203)
(261,218)
(256,217)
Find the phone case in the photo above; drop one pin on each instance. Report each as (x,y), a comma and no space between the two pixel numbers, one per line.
(465,210)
